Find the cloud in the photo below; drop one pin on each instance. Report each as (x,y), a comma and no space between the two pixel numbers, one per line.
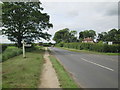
(111,9)
(79,16)
(73,13)
(99,16)
(112,12)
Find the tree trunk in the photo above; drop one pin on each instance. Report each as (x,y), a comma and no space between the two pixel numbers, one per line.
(19,43)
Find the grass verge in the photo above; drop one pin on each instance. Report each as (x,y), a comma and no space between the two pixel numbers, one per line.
(90,52)
(64,77)
(19,72)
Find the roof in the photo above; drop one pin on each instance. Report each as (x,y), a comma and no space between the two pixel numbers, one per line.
(88,39)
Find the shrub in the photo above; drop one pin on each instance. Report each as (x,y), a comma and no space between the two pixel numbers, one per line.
(10,52)
(4,46)
(99,47)
(61,44)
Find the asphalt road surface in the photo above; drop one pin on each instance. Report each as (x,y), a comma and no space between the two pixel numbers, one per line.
(90,70)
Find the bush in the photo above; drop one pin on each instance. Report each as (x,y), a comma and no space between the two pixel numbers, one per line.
(60,44)
(99,47)
(10,52)
(4,46)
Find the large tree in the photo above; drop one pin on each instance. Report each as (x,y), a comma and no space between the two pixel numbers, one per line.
(87,33)
(112,35)
(65,35)
(61,36)
(24,20)
(73,36)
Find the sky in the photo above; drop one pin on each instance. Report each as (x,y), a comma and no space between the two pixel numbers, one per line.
(80,16)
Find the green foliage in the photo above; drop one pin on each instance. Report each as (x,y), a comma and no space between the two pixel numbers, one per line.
(4,46)
(112,35)
(94,47)
(10,52)
(87,33)
(61,35)
(60,44)
(65,35)
(24,20)
(100,42)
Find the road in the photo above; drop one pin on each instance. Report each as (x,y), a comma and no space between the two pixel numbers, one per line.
(90,70)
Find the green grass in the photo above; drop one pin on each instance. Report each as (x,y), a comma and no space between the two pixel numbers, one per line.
(19,72)
(90,52)
(64,77)
(0,76)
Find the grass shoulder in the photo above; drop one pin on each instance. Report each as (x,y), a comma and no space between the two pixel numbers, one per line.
(65,79)
(19,72)
(90,52)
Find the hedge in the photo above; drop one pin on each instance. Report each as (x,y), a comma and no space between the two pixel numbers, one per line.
(10,52)
(4,46)
(93,47)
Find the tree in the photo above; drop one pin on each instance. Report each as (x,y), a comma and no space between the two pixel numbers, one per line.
(112,35)
(73,37)
(81,35)
(24,20)
(87,33)
(65,35)
(62,36)
(102,36)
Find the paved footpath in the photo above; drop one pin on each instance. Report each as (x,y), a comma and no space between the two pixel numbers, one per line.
(48,78)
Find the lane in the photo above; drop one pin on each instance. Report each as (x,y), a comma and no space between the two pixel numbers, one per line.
(91,71)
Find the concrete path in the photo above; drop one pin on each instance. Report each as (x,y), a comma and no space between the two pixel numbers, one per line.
(48,78)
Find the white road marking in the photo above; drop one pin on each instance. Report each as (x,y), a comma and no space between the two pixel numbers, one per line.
(98,64)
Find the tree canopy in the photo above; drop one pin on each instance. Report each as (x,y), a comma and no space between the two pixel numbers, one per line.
(112,35)
(87,33)
(65,35)
(61,35)
(24,20)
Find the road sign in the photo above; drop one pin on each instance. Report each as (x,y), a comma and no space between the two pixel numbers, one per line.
(28,45)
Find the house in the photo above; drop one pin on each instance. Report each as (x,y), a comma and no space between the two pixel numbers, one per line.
(111,42)
(88,40)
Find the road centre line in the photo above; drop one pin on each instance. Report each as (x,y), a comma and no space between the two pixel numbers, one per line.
(98,64)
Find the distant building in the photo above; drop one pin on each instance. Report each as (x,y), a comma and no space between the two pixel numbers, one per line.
(111,42)
(88,40)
